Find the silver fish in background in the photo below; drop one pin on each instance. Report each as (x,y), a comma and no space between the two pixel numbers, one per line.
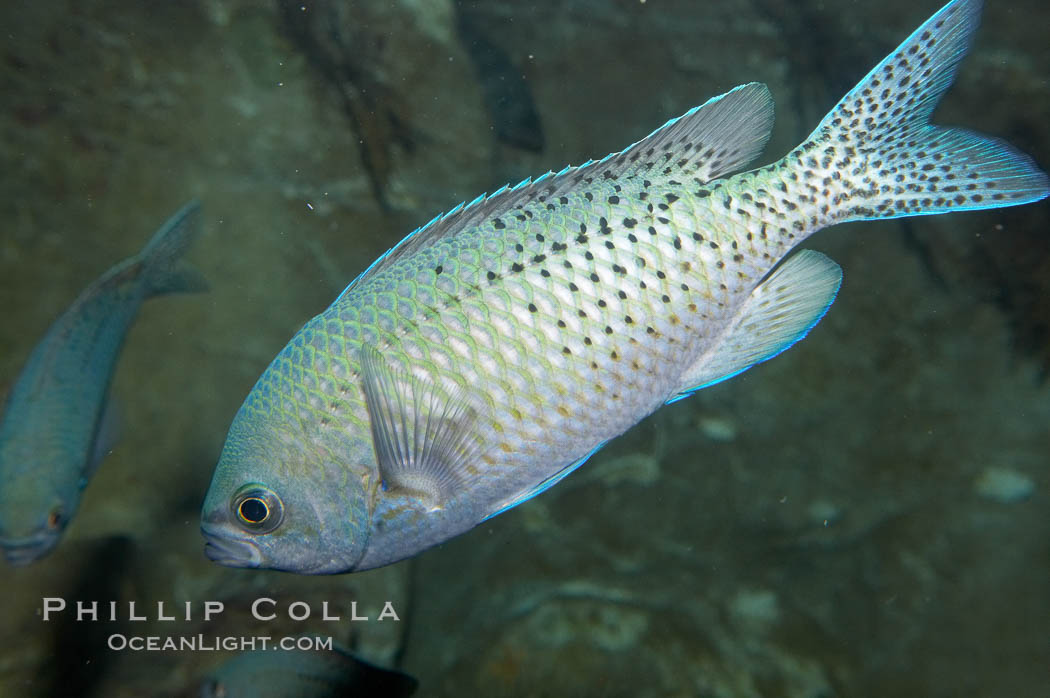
(491,352)
(334,673)
(53,426)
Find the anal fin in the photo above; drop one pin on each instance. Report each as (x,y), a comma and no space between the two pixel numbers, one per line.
(544,485)
(779,312)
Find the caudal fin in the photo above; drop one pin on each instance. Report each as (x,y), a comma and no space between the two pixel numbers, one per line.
(162,267)
(882,157)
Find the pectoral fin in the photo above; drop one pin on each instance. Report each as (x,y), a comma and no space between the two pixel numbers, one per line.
(424,435)
(107,433)
(780,312)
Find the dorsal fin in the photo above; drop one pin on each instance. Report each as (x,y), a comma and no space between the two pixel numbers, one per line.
(712,140)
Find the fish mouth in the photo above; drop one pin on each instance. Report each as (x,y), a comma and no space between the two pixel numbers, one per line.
(20,552)
(230,552)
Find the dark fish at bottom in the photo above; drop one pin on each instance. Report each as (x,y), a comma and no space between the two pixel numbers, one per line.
(314,673)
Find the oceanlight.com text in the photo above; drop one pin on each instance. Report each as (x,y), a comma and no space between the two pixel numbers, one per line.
(211,643)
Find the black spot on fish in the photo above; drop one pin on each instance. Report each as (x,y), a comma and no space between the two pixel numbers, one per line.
(532,307)
(516,267)
(498,224)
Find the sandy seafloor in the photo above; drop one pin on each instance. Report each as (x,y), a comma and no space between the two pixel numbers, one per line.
(866,515)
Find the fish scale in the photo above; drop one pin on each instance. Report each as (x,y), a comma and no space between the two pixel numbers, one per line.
(492,351)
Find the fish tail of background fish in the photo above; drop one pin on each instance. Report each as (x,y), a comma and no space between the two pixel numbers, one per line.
(161,267)
(875,155)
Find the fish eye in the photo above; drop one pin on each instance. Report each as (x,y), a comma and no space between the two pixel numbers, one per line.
(257,508)
(54,519)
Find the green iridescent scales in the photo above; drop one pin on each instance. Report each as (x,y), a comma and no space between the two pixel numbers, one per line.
(554,311)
